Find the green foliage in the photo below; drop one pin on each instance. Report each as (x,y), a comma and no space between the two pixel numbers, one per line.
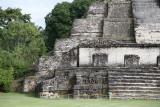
(21,44)
(59,21)
(18,33)
(6,70)
(21,39)
(6,79)
(10,15)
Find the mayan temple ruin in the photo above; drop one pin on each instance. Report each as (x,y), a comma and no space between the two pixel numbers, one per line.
(115,49)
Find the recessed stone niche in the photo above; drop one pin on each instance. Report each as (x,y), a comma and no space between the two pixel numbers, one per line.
(100,60)
(131,60)
(158,61)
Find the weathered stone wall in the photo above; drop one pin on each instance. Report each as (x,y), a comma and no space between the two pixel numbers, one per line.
(119,23)
(69,59)
(30,84)
(92,84)
(66,44)
(63,82)
(45,65)
(147,21)
(98,10)
(148,56)
(120,29)
(87,27)
(120,9)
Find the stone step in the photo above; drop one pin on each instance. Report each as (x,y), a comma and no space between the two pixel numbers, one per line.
(148,28)
(134,77)
(143,1)
(134,80)
(133,84)
(135,91)
(135,87)
(134,73)
(136,94)
(133,97)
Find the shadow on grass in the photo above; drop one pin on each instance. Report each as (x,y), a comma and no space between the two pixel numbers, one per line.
(30,95)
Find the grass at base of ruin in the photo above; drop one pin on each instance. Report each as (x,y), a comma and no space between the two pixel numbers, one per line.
(27,100)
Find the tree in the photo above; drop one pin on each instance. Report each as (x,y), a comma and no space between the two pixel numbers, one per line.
(10,15)
(58,23)
(22,40)
(21,44)
(18,33)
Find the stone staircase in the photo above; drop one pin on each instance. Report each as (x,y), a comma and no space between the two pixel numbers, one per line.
(134,83)
(147,20)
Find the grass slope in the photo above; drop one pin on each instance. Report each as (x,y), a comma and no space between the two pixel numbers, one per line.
(26,100)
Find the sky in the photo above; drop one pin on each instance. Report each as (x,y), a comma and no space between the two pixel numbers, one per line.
(37,8)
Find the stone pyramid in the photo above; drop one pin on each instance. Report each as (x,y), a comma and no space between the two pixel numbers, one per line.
(114,50)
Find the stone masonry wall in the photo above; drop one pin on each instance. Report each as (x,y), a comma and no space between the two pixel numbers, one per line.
(147,21)
(119,23)
(116,55)
(87,27)
(98,10)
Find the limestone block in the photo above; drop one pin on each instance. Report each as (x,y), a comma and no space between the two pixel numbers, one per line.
(30,83)
(66,44)
(47,64)
(90,26)
(63,80)
(147,21)
(120,9)
(69,59)
(97,10)
(86,78)
(50,95)
(89,91)
(121,29)
(148,33)
(131,60)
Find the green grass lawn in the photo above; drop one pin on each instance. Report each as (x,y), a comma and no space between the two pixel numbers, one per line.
(26,100)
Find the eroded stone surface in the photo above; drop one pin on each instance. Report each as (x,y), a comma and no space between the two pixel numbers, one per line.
(147,21)
(131,60)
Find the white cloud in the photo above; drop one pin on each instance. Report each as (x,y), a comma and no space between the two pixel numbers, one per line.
(37,8)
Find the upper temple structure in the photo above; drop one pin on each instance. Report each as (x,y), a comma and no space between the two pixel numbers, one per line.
(114,50)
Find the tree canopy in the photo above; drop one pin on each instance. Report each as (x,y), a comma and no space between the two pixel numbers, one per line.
(10,15)
(20,45)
